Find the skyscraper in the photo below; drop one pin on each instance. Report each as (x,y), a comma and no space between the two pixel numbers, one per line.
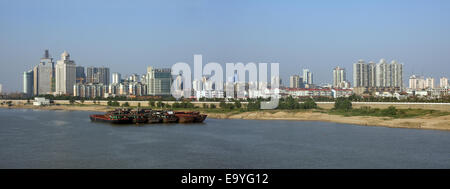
(339,77)
(116,77)
(360,74)
(133,78)
(80,74)
(44,76)
(1,88)
(397,74)
(416,82)
(429,83)
(97,75)
(295,81)
(372,74)
(65,74)
(443,82)
(197,85)
(28,83)
(159,81)
(378,75)
(307,77)
(383,74)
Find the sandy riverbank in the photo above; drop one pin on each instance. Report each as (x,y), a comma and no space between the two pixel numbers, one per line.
(423,122)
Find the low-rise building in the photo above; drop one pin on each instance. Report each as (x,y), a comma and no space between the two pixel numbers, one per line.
(41,101)
(209,94)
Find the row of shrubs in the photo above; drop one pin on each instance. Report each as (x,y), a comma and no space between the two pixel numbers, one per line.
(344,105)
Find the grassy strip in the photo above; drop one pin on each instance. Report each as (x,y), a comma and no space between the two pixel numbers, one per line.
(388,112)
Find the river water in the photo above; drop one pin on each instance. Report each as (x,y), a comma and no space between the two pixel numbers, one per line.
(68,139)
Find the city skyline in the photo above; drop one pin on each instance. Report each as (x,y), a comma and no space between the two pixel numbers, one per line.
(298,35)
(382,76)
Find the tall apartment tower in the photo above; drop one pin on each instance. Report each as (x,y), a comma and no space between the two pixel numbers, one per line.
(307,77)
(360,74)
(396,74)
(116,77)
(372,74)
(383,74)
(159,81)
(80,74)
(417,82)
(443,82)
(389,75)
(339,76)
(28,83)
(44,76)
(97,75)
(65,74)
(295,81)
(429,83)
(378,75)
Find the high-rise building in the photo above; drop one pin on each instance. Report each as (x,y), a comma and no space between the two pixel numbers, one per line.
(295,81)
(65,74)
(1,88)
(378,75)
(360,74)
(28,83)
(80,74)
(89,90)
(339,77)
(416,82)
(443,82)
(383,74)
(159,81)
(116,77)
(144,79)
(44,76)
(307,77)
(396,74)
(197,85)
(372,74)
(97,75)
(137,89)
(133,78)
(429,83)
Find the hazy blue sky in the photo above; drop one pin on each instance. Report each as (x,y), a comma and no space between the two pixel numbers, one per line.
(127,36)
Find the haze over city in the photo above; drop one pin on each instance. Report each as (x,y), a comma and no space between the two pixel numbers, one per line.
(129,36)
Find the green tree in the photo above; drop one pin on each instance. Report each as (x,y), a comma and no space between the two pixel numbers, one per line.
(222,104)
(308,104)
(159,104)
(237,104)
(342,104)
(151,103)
(390,111)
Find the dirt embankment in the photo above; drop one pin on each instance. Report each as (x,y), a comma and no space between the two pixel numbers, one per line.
(425,122)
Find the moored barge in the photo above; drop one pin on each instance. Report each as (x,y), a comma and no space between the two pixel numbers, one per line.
(148,116)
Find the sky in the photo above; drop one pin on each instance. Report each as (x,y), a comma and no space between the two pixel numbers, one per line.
(127,36)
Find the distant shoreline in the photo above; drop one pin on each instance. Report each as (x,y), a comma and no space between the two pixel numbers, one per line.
(422,122)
